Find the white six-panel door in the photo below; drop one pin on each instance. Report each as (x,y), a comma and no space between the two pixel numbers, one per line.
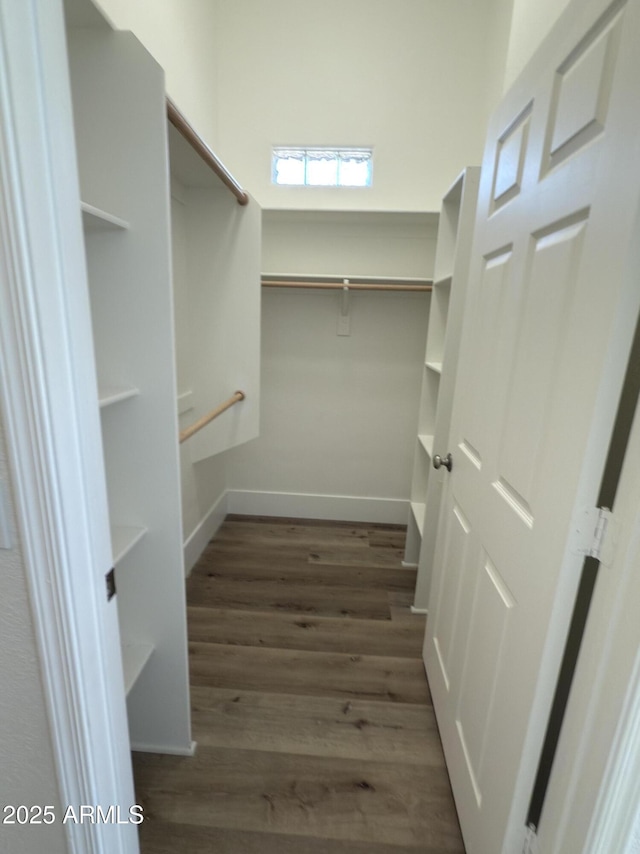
(552,306)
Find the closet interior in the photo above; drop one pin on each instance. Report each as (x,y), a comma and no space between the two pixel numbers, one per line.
(174,264)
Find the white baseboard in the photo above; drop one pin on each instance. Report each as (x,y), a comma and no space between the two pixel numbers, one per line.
(345,508)
(173,751)
(197,541)
(422,611)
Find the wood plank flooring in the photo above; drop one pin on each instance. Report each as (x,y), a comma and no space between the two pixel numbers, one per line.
(310,706)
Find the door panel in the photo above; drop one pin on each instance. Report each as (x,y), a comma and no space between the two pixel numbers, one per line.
(491,348)
(445,631)
(493,609)
(582,89)
(545,341)
(549,286)
(510,158)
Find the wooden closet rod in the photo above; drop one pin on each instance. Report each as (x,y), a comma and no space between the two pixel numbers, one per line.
(328,285)
(202,149)
(236,397)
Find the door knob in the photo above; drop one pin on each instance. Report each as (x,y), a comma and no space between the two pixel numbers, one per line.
(447,462)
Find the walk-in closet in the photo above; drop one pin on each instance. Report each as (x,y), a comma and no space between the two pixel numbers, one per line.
(319,453)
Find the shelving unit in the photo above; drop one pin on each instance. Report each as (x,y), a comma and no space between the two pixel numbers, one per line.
(216,252)
(94,219)
(418,508)
(453,249)
(134,660)
(427,443)
(123,539)
(119,109)
(108,395)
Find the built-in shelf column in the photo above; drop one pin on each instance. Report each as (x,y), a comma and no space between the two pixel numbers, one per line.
(118,93)
(445,315)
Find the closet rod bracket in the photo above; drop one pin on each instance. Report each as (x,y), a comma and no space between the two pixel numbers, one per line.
(344,318)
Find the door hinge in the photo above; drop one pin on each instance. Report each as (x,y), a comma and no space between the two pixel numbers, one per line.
(600,532)
(110,578)
(530,845)
(592,531)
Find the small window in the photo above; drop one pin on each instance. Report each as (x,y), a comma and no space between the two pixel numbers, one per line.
(322,167)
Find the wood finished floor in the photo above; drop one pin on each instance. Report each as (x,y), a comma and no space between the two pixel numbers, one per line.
(310,705)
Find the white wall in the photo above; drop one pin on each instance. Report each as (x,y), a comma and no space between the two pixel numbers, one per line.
(28,774)
(345,425)
(531,21)
(204,483)
(182,36)
(414,78)
(360,244)
(261,72)
(339,414)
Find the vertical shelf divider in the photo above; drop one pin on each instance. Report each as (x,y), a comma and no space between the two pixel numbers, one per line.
(453,249)
(122,163)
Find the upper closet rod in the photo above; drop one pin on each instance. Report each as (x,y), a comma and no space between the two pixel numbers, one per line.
(200,146)
(357,284)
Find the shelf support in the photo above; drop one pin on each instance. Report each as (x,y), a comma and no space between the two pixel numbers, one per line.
(344,318)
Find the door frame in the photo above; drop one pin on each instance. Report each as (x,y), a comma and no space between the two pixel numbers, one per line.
(600,735)
(601,728)
(48,397)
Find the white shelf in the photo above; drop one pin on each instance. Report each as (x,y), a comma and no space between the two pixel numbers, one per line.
(123,539)
(443,282)
(94,219)
(418,514)
(185,402)
(107,395)
(134,659)
(427,443)
(436,367)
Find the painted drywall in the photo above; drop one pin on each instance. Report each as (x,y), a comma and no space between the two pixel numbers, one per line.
(347,243)
(415,79)
(497,49)
(204,483)
(182,36)
(531,21)
(26,756)
(339,413)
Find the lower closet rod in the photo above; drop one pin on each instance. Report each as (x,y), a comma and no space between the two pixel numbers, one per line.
(236,397)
